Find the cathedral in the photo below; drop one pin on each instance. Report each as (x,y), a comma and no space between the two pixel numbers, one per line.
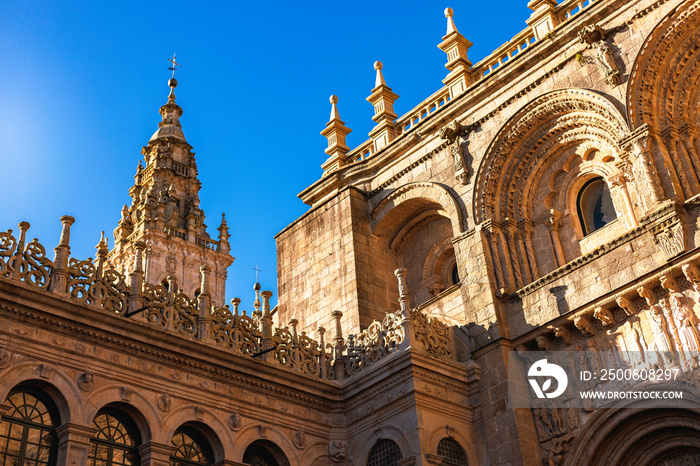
(544,199)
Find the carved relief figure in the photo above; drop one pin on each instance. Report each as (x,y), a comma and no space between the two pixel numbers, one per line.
(337,450)
(685,323)
(452,133)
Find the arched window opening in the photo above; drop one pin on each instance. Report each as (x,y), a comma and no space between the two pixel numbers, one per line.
(191,448)
(595,206)
(258,456)
(28,429)
(384,453)
(452,453)
(116,442)
(264,453)
(455,274)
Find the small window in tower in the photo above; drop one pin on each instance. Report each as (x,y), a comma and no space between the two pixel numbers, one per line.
(595,206)
(455,275)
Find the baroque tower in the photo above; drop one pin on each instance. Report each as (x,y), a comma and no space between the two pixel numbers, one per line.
(165,216)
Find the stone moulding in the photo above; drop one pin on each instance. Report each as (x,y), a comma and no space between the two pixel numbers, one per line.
(649,223)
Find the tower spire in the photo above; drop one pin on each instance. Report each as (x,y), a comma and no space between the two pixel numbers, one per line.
(165,213)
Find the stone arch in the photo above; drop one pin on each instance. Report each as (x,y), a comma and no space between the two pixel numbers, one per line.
(664,88)
(252,433)
(62,390)
(405,225)
(209,425)
(537,133)
(132,402)
(442,432)
(314,454)
(411,196)
(386,432)
(634,436)
(664,93)
(520,187)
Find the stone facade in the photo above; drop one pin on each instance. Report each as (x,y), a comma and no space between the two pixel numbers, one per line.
(546,198)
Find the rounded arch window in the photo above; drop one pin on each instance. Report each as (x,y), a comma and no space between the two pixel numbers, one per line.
(28,429)
(116,441)
(595,206)
(384,453)
(264,453)
(452,452)
(191,448)
(454,274)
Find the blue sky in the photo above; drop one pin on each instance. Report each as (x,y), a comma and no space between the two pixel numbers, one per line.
(81,84)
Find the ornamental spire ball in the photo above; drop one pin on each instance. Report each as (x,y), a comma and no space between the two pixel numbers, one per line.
(379,81)
(450,22)
(334,108)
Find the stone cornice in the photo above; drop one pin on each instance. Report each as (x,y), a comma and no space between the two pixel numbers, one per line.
(128,336)
(477,96)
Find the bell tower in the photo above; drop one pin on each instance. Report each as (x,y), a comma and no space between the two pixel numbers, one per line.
(165,215)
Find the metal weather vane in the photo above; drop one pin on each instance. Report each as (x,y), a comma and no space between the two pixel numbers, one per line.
(257,270)
(175,65)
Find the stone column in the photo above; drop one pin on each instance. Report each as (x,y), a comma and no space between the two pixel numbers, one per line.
(73,443)
(155,454)
(528,229)
(136,277)
(620,181)
(204,305)
(406,322)
(266,324)
(338,346)
(59,274)
(553,225)
(495,256)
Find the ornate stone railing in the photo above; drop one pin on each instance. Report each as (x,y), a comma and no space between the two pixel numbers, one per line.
(426,108)
(504,53)
(485,67)
(361,152)
(94,283)
(569,8)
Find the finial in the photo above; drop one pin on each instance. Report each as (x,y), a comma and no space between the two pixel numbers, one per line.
(172,82)
(380,78)
(450,22)
(334,108)
(223,219)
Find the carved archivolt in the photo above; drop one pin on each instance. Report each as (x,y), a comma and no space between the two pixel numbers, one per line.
(427,193)
(532,139)
(663,86)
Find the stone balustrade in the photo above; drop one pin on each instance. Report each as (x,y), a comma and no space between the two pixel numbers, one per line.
(504,53)
(95,284)
(426,108)
(487,66)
